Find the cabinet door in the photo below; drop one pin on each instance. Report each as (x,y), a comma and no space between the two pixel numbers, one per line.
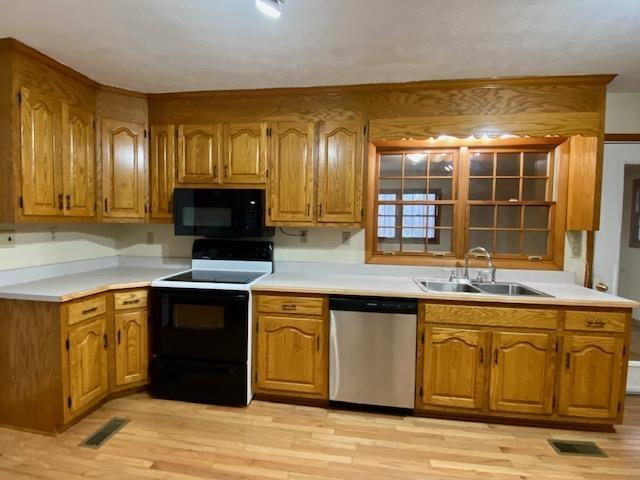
(131,346)
(87,362)
(291,172)
(291,355)
(79,162)
(590,376)
(198,153)
(340,172)
(522,372)
(245,153)
(40,122)
(123,170)
(454,367)
(162,171)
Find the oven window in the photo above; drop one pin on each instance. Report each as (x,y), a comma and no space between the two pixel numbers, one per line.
(198,317)
(206,217)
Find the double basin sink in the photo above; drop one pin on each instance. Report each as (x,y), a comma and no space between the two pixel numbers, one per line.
(510,289)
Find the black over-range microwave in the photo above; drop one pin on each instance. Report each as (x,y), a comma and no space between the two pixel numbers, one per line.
(217,212)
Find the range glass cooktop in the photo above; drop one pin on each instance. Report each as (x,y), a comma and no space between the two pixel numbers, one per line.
(215,276)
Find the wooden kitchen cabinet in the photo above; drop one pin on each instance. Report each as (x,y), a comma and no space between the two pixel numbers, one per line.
(291,193)
(244,153)
(522,372)
(340,172)
(454,367)
(78,162)
(198,154)
(584,184)
(162,171)
(88,363)
(591,375)
(123,170)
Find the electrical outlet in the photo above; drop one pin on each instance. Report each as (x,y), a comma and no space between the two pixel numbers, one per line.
(303,236)
(346,238)
(7,238)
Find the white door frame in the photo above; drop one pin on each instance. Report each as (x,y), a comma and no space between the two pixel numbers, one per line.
(615,175)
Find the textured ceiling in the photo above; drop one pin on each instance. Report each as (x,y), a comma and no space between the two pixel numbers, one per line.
(176,45)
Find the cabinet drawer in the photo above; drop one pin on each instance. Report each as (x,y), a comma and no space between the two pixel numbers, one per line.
(586,321)
(127,300)
(491,316)
(282,304)
(84,309)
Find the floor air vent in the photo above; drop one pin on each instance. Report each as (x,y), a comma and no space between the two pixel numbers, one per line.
(575,447)
(104,433)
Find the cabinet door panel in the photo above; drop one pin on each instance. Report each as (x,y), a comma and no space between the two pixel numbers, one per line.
(522,372)
(291,355)
(291,167)
(245,152)
(162,171)
(590,376)
(131,346)
(87,362)
(79,162)
(123,169)
(340,172)
(198,153)
(454,367)
(40,119)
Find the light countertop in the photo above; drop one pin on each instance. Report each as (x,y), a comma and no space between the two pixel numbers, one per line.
(404,286)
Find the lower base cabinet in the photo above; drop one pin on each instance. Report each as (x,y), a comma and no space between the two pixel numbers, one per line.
(131,352)
(489,361)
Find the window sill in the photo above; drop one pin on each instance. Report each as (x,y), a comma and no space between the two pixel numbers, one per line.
(458,262)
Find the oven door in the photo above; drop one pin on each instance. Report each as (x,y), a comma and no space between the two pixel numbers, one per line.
(199,324)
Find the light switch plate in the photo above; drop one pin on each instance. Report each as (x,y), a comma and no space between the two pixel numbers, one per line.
(7,238)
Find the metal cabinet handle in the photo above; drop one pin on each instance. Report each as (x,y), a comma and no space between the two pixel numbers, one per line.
(288,306)
(106,340)
(308,209)
(89,310)
(595,323)
(129,302)
(119,338)
(106,204)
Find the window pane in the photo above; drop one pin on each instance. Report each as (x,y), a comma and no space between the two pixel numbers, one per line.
(534,189)
(481,216)
(441,242)
(534,243)
(481,238)
(417,244)
(390,242)
(415,164)
(441,188)
(536,217)
(480,189)
(415,190)
(481,164)
(508,241)
(444,215)
(441,164)
(390,189)
(390,165)
(508,165)
(507,189)
(509,217)
(535,164)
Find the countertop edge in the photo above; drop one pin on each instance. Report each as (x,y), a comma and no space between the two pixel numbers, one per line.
(75,295)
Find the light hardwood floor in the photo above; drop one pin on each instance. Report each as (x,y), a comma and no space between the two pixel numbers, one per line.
(174,440)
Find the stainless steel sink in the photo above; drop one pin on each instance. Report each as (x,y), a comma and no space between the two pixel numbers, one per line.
(511,289)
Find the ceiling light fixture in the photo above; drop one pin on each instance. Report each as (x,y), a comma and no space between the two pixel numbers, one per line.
(271,8)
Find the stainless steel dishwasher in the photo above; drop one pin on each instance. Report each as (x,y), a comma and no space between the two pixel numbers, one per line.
(372,353)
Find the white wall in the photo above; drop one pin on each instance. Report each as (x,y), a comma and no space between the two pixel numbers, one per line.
(623,113)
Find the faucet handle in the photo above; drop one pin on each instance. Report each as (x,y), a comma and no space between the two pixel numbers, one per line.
(453,273)
(480,275)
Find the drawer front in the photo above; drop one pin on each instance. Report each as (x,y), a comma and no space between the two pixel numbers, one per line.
(491,316)
(585,321)
(290,305)
(127,300)
(84,309)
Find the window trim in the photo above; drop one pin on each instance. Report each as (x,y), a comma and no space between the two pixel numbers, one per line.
(634,225)
(558,185)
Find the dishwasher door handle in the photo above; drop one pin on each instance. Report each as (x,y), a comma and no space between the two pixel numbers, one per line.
(334,366)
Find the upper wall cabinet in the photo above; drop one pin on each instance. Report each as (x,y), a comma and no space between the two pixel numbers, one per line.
(123,170)
(198,153)
(244,153)
(162,171)
(291,172)
(340,172)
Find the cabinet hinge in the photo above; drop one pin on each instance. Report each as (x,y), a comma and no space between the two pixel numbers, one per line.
(145,133)
(553,402)
(269,132)
(421,391)
(619,406)
(19,97)
(267,173)
(66,344)
(20,201)
(257,326)
(256,376)
(624,350)
(422,338)
(269,211)
(556,346)
(364,130)
(69,401)
(362,212)
(94,124)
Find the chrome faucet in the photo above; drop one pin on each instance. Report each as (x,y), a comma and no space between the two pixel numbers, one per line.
(489,263)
